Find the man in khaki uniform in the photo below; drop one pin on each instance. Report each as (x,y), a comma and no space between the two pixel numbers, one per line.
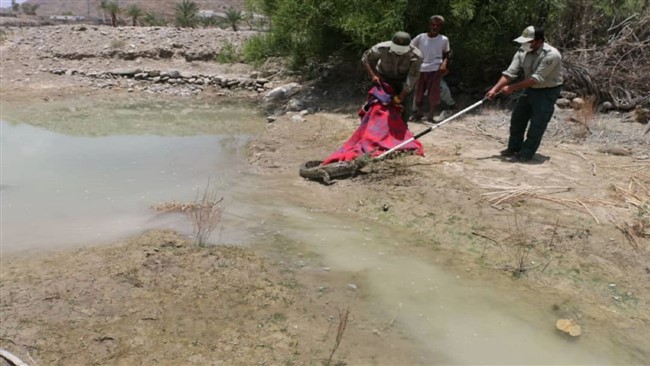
(397,63)
(541,66)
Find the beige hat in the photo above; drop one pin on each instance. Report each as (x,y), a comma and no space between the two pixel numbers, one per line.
(529,34)
(400,44)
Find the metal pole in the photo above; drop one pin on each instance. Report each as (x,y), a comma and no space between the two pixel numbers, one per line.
(431,128)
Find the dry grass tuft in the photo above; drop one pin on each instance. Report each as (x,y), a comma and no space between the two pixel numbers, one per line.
(518,247)
(175,206)
(509,193)
(636,198)
(207,216)
(635,231)
(205,212)
(118,44)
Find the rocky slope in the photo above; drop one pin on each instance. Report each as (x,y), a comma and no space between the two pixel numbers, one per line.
(91,7)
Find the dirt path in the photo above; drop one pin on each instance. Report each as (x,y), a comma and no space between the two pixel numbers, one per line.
(575,222)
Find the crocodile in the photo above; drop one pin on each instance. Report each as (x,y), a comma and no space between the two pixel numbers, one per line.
(313,169)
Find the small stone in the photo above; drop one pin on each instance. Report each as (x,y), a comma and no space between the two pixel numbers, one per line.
(563,103)
(352,286)
(577,103)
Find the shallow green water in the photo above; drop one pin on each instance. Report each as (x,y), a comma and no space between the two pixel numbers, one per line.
(79,174)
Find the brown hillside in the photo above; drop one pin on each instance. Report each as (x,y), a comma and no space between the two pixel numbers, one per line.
(91,7)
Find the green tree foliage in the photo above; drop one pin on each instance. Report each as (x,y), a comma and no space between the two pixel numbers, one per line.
(134,12)
(260,47)
(29,9)
(187,14)
(266,7)
(480,31)
(15,6)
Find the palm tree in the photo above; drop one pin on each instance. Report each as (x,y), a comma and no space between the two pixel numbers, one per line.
(233,17)
(186,14)
(112,9)
(29,9)
(134,12)
(102,6)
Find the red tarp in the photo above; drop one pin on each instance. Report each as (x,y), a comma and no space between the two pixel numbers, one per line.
(382,128)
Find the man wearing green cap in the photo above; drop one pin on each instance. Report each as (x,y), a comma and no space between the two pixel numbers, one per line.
(397,63)
(541,66)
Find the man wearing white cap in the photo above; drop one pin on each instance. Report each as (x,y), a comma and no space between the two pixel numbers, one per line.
(541,66)
(397,63)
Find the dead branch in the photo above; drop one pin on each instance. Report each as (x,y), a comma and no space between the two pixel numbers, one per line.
(11,358)
(343,322)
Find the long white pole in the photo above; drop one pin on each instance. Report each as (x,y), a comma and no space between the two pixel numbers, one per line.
(431,128)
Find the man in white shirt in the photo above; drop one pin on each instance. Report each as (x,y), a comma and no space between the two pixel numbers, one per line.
(435,52)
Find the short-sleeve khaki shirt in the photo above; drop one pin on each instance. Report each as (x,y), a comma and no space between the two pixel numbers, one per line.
(543,65)
(394,66)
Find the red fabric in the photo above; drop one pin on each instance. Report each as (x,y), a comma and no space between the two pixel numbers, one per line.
(381,129)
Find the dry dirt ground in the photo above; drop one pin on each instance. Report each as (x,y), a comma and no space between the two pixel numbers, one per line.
(575,221)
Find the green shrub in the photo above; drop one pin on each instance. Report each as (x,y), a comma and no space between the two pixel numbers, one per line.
(227,54)
(209,22)
(260,47)
(480,31)
(154,20)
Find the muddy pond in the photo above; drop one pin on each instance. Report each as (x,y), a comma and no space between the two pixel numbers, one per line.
(89,175)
